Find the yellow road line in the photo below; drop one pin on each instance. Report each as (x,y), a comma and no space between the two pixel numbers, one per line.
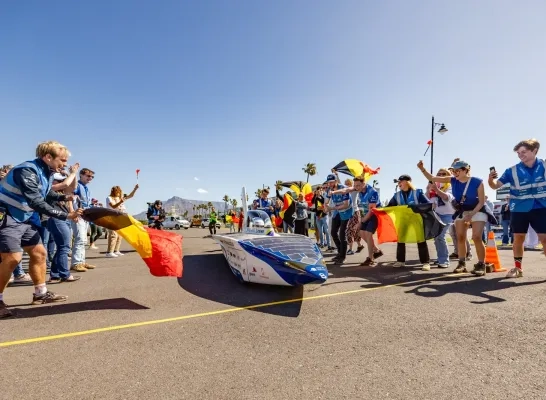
(209,313)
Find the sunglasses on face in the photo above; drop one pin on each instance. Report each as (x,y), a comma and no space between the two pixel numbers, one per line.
(90,176)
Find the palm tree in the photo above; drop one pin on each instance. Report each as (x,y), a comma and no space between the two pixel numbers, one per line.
(278,185)
(209,205)
(310,169)
(185,214)
(258,193)
(226,200)
(234,203)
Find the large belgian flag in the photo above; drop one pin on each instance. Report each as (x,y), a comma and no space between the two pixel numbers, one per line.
(288,208)
(407,224)
(160,250)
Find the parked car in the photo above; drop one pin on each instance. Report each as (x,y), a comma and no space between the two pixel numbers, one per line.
(205,223)
(175,223)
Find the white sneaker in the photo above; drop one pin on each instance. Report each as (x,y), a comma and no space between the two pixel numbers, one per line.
(514,273)
(399,264)
(111,255)
(425,267)
(119,253)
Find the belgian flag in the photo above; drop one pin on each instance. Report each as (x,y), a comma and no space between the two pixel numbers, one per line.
(288,208)
(160,250)
(407,224)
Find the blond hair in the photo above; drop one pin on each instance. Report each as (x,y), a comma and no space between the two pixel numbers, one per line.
(53,148)
(349,182)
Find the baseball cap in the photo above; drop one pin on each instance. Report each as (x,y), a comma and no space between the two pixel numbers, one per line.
(460,164)
(404,178)
(330,177)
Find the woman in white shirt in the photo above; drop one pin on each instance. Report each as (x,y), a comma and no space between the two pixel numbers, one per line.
(441,198)
(116,201)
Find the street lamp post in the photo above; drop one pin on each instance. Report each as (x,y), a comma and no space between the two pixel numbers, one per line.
(442,130)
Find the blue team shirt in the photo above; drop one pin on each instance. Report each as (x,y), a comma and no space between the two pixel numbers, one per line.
(457,189)
(507,177)
(338,199)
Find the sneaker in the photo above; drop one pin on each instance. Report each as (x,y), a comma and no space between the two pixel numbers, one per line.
(514,273)
(22,278)
(119,253)
(330,248)
(111,255)
(359,249)
(93,247)
(4,312)
(443,265)
(350,252)
(88,266)
(454,256)
(460,268)
(399,264)
(479,269)
(425,267)
(78,268)
(48,297)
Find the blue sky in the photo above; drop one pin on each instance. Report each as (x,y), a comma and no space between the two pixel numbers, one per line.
(246,92)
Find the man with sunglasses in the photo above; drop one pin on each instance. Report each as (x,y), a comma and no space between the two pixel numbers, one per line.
(79,227)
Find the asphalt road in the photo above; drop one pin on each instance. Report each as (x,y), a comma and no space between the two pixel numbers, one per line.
(367,333)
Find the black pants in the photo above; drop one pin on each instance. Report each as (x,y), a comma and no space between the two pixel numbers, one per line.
(301,227)
(212,227)
(422,248)
(339,234)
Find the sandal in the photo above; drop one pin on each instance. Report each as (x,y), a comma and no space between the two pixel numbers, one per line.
(53,281)
(71,278)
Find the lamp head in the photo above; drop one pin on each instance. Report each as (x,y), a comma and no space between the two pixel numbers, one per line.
(442,129)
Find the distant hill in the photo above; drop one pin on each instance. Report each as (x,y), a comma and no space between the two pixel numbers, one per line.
(181,205)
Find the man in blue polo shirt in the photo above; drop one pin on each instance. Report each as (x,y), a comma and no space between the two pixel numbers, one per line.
(263,203)
(342,211)
(79,228)
(527,181)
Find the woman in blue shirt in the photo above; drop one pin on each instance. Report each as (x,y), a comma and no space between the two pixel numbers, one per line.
(405,196)
(469,194)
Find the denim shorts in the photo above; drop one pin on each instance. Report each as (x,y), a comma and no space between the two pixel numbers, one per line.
(16,235)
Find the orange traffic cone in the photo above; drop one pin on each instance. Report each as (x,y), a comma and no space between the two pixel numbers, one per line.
(492,254)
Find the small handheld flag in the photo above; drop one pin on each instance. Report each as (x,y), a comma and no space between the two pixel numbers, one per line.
(429,144)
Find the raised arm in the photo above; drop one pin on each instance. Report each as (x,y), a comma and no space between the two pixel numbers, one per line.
(430,177)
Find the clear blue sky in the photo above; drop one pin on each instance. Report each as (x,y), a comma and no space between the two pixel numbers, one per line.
(246,92)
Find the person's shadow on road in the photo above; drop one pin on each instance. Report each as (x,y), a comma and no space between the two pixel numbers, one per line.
(479,287)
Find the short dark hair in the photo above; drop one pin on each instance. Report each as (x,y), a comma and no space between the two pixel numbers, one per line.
(85,171)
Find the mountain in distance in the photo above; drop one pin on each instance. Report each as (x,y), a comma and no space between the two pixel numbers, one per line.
(181,205)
